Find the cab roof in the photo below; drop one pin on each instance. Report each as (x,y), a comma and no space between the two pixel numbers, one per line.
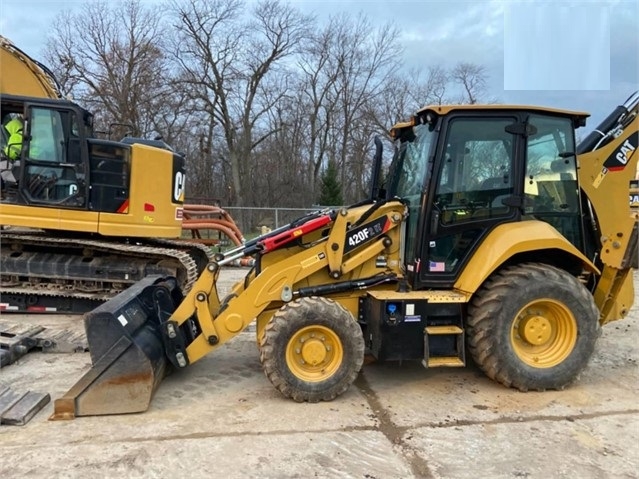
(578,117)
(446,109)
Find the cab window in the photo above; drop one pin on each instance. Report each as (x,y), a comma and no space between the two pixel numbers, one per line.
(551,190)
(46,136)
(477,171)
(53,170)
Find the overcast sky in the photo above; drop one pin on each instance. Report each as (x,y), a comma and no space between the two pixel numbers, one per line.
(580,55)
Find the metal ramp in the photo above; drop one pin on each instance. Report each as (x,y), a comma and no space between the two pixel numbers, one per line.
(17,339)
(17,408)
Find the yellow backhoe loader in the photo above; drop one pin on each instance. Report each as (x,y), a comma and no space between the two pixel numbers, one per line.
(87,217)
(493,234)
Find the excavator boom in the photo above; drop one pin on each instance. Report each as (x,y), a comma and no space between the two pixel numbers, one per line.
(28,77)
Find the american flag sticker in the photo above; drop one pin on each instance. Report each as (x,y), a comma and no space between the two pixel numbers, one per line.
(436,266)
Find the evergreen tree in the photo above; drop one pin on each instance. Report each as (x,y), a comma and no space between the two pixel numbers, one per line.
(331,190)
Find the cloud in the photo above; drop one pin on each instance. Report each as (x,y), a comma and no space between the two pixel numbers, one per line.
(445,33)
(433,33)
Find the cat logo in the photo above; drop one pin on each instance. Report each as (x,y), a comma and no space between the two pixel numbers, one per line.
(178,188)
(618,160)
(622,155)
(626,151)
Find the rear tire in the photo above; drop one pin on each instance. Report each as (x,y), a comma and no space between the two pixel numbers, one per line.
(532,327)
(312,349)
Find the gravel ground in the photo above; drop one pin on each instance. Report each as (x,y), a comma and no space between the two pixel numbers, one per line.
(222,417)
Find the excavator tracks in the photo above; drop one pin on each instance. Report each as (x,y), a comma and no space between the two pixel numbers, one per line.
(42,273)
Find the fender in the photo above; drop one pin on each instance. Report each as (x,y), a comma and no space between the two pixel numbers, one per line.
(507,240)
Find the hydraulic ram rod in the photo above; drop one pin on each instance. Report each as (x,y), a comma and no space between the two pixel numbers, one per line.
(274,242)
(252,246)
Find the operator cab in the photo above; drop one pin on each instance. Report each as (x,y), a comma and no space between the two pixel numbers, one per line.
(50,167)
(464,170)
(59,156)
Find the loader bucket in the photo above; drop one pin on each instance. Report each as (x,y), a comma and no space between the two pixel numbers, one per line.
(127,352)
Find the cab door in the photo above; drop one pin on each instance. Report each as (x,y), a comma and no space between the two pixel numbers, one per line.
(475,188)
(53,162)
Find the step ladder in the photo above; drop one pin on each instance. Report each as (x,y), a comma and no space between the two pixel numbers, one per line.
(444,346)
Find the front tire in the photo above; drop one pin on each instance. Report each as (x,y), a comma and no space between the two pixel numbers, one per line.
(312,349)
(532,327)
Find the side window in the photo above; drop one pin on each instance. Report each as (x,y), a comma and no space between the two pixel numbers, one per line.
(74,146)
(551,172)
(477,171)
(551,190)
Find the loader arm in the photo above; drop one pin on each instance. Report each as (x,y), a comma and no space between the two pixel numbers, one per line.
(276,283)
(138,331)
(608,162)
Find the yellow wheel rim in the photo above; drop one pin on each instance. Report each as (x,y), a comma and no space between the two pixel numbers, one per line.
(314,353)
(544,333)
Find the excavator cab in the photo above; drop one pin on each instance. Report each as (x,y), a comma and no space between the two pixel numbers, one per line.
(51,168)
(83,217)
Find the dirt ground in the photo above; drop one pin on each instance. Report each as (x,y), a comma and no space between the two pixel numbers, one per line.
(221,417)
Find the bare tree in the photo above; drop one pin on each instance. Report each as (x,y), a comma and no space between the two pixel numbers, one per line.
(318,75)
(366,58)
(234,67)
(472,79)
(408,91)
(259,97)
(110,56)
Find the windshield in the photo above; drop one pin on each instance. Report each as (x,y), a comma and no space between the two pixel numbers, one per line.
(409,169)
(408,176)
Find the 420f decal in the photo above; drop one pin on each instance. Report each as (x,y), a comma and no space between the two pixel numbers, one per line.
(365,233)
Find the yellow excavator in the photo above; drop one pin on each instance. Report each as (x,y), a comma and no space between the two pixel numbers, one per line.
(493,234)
(82,218)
